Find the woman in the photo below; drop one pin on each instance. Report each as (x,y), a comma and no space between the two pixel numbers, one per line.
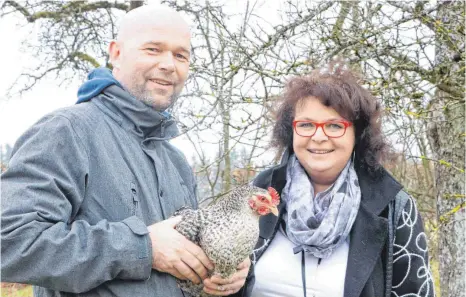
(337,234)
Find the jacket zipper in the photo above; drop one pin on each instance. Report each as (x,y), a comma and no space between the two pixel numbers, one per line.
(162,128)
(134,195)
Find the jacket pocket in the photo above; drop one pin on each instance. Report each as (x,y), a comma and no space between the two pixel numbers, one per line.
(134,199)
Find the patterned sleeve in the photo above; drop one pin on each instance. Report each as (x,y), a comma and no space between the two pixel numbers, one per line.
(411,271)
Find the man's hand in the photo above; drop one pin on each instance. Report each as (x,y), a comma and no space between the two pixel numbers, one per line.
(223,287)
(174,254)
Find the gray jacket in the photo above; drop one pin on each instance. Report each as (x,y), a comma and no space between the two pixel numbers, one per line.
(82,185)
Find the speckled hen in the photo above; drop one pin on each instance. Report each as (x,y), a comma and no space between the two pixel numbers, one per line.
(227,230)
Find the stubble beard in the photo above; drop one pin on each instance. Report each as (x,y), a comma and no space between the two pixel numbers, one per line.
(141,93)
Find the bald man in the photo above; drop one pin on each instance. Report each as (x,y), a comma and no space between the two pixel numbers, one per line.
(90,189)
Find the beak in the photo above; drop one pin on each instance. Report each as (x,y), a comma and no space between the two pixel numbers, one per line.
(274,210)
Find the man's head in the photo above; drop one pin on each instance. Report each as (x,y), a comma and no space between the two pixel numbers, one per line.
(151,54)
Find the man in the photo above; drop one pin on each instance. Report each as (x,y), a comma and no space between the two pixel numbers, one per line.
(87,198)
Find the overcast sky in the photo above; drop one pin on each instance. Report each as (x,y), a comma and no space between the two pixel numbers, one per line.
(19,112)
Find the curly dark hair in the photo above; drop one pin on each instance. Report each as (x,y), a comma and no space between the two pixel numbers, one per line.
(338,87)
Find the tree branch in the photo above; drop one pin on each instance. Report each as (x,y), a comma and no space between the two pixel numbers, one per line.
(67,9)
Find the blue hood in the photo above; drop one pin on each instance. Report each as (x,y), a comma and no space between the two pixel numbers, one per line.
(98,80)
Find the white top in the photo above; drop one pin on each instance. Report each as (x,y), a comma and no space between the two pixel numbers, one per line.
(278,272)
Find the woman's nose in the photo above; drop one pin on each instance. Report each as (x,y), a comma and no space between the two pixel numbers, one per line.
(319,135)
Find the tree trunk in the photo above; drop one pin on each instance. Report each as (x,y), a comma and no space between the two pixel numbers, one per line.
(446,133)
(135,4)
(226,147)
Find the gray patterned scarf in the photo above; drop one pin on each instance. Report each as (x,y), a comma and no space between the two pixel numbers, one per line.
(319,225)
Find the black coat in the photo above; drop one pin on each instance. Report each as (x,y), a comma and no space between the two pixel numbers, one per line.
(366,267)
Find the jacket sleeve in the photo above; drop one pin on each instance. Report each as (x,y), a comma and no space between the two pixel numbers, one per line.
(411,271)
(42,244)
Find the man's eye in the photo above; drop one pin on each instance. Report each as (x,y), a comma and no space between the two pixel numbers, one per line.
(181,57)
(153,49)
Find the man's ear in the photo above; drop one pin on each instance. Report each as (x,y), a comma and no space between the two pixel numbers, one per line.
(114,53)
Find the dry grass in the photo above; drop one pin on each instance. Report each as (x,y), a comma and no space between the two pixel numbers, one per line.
(16,290)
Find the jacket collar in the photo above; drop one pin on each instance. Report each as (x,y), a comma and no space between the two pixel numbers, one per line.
(134,115)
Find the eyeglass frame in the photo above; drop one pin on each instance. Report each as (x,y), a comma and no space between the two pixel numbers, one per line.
(321,124)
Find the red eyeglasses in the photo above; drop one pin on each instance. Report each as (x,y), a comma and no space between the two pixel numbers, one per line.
(332,129)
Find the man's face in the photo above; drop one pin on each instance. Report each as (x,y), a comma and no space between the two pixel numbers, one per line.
(153,63)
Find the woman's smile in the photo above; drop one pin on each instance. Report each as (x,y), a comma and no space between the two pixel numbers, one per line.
(320,151)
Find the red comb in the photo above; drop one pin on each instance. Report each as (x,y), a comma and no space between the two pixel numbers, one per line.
(275,195)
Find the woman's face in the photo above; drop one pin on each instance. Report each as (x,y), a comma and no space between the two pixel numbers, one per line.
(322,157)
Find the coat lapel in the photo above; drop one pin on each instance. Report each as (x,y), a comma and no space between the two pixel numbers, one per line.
(370,229)
(367,240)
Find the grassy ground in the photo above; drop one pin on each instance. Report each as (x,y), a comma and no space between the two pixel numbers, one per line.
(16,290)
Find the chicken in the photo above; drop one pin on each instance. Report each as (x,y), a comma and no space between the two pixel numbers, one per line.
(227,230)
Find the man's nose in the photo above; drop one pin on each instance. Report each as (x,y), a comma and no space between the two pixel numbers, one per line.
(319,135)
(167,62)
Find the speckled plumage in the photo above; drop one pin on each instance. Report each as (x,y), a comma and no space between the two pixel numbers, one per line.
(227,232)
